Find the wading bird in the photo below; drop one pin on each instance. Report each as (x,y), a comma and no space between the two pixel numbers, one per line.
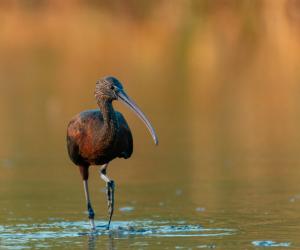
(95,137)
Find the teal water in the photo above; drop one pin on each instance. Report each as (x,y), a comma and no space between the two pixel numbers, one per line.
(22,236)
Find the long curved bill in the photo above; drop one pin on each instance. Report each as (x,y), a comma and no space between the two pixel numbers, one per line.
(132,105)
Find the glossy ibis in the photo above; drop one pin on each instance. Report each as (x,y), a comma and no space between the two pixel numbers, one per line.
(95,137)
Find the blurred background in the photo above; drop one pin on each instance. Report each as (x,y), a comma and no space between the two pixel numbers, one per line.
(218,79)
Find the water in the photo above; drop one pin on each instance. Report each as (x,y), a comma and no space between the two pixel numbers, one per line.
(220,83)
(171,214)
(23,236)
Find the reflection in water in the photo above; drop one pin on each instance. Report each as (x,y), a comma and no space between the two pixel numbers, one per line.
(111,245)
(92,241)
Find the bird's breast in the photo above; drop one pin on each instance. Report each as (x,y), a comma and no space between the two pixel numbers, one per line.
(97,142)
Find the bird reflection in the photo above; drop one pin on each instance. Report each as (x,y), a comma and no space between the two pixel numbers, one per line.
(92,242)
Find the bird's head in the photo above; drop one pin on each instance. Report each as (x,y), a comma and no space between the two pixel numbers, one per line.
(109,88)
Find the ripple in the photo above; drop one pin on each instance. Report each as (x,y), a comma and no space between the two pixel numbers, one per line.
(22,234)
(126,209)
(270,243)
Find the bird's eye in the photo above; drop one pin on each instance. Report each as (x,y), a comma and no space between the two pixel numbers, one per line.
(112,87)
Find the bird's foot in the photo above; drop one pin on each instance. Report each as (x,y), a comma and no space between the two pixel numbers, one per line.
(110,190)
(90,211)
(91,216)
(92,222)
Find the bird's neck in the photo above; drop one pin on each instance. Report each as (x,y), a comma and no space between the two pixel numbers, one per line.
(110,122)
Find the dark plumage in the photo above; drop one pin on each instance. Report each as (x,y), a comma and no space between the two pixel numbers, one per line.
(95,137)
(90,144)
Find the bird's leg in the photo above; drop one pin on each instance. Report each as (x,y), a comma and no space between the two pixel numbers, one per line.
(89,205)
(110,190)
(84,173)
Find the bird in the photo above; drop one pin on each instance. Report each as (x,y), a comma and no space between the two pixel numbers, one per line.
(96,137)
